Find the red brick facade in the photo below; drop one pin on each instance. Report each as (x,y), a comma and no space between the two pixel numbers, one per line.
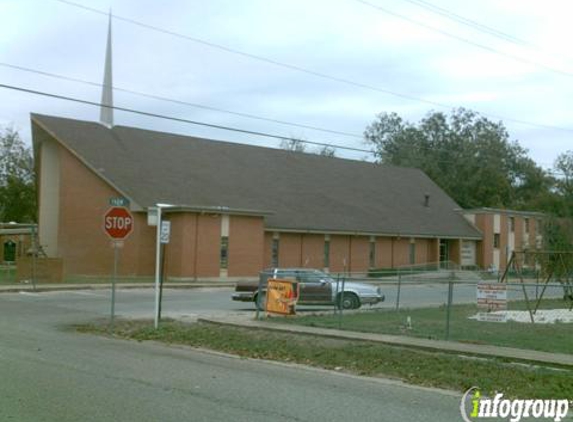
(523,235)
(194,250)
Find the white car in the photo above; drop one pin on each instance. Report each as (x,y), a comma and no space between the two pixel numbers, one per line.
(316,288)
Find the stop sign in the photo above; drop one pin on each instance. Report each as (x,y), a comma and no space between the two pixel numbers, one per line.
(118,222)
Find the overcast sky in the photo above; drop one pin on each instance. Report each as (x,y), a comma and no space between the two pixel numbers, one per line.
(373,57)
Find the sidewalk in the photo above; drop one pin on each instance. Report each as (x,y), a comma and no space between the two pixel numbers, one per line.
(413,342)
(14,288)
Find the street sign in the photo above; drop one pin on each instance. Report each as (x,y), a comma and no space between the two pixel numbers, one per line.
(118,223)
(152,216)
(119,202)
(165,231)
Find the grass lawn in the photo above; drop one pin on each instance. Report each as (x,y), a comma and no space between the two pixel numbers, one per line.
(431,323)
(358,357)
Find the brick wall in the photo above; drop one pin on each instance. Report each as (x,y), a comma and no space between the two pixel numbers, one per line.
(484,249)
(246,242)
(290,250)
(504,233)
(339,253)
(422,251)
(82,242)
(180,251)
(209,245)
(455,249)
(384,253)
(267,254)
(401,252)
(359,253)
(313,251)
(433,250)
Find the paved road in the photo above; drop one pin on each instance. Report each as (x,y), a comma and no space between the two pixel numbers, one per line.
(188,303)
(49,374)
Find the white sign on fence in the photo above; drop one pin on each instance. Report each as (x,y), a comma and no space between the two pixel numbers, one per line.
(492,297)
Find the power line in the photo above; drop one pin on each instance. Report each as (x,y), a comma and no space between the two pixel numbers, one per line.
(469,22)
(171,100)
(475,24)
(257,57)
(178,119)
(67,78)
(304,70)
(198,123)
(95,84)
(462,39)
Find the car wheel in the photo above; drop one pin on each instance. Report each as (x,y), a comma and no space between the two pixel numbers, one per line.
(260,302)
(348,301)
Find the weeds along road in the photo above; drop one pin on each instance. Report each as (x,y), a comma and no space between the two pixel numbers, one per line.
(50,373)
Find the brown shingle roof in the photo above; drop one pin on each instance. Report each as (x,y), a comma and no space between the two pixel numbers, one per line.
(303,191)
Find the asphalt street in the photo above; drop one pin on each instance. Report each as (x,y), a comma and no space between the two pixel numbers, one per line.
(50,373)
(190,303)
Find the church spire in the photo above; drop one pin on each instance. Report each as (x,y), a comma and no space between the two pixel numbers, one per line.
(106,113)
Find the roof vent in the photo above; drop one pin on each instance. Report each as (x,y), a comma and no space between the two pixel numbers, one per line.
(427,200)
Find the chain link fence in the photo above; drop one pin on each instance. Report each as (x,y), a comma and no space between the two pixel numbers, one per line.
(8,273)
(444,304)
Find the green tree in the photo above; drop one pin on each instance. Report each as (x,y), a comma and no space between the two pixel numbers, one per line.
(17,186)
(558,238)
(467,155)
(564,183)
(326,151)
(293,144)
(299,145)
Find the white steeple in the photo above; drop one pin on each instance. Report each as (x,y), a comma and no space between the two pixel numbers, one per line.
(106,113)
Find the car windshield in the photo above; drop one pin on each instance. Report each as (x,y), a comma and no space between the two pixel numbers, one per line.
(317,275)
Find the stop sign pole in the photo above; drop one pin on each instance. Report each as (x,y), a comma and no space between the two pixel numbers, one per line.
(117,224)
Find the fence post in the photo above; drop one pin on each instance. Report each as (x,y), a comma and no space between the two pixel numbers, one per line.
(337,295)
(449,305)
(399,288)
(258,301)
(34,255)
(341,308)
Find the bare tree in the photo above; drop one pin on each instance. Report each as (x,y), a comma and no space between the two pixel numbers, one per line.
(293,144)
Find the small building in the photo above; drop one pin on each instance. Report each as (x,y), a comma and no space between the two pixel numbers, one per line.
(236,209)
(504,231)
(15,241)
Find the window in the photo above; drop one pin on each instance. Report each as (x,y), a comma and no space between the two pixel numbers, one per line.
(9,251)
(372,257)
(512,224)
(224,252)
(412,252)
(526,222)
(496,240)
(275,253)
(326,253)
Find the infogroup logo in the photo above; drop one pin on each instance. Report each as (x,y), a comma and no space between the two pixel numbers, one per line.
(475,407)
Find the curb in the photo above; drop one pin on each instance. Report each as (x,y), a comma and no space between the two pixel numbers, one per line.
(523,355)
